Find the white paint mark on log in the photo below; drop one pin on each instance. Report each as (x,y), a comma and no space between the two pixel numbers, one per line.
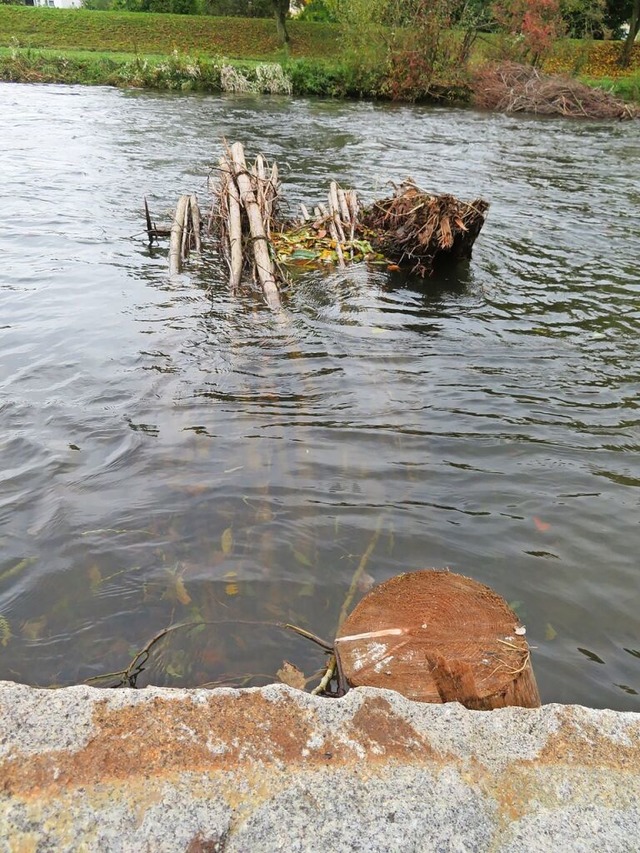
(370,635)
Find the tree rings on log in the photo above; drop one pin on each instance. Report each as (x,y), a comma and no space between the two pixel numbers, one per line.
(436,636)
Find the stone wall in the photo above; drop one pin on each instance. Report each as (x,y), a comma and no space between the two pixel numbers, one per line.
(275,769)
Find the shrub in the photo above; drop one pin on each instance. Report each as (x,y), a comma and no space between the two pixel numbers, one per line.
(314,77)
(529,28)
(238,8)
(583,18)
(318,10)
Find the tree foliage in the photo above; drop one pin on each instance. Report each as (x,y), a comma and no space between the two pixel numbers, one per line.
(529,26)
(405,48)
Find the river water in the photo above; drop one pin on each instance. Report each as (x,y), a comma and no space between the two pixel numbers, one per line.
(170,452)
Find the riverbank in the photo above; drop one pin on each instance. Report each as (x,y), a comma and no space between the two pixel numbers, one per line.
(178,52)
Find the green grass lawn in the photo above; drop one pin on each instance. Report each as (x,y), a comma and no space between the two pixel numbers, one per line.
(149,33)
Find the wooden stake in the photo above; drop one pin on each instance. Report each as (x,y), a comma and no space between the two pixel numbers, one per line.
(186,233)
(260,243)
(197,223)
(234,224)
(334,207)
(175,241)
(438,637)
(344,207)
(150,228)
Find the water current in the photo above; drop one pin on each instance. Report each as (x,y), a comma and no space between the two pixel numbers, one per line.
(170,452)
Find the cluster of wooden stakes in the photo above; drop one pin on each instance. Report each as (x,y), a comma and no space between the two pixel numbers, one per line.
(411,229)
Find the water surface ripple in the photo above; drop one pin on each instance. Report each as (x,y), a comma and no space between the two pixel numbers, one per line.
(171,452)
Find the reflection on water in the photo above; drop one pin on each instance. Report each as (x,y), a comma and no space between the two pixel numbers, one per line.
(173,453)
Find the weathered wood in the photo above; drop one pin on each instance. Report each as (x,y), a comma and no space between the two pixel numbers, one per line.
(345,214)
(186,233)
(196,219)
(334,207)
(234,224)
(150,228)
(351,198)
(175,240)
(438,637)
(260,243)
(412,228)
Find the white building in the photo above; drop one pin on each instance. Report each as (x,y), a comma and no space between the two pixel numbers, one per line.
(58,4)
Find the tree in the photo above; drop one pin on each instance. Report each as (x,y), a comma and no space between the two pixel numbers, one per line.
(530,26)
(583,18)
(634,28)
(281,11)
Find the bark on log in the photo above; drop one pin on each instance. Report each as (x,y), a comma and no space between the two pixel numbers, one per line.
(260,243)
(438,637)
(175,241)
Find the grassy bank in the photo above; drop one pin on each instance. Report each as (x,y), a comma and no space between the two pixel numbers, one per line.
(181,72)
(149,33)
(184,52)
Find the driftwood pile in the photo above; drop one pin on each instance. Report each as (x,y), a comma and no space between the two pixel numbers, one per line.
(411,229)
(512,88)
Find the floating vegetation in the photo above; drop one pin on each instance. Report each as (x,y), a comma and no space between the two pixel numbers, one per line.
(311,245)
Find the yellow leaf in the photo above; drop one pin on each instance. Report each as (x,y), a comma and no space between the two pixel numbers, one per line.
(291,675)
(95,577)
(181,592)
(226,541)
(34,628)
(5,632)
(302,558)
(264,514)
(232,589)
(550,632)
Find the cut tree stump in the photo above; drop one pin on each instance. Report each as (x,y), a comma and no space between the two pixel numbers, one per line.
(436,636)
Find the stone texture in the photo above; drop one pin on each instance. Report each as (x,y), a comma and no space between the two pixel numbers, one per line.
(276,769)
